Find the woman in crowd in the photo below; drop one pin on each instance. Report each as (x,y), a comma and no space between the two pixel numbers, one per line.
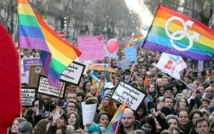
(194,115)
(15,125)
(149,123)
(86,86)
(184,122)
(108,105)
(73,120)
(182,104)
(103,118)
(141,112)
(58,121)
(41,127)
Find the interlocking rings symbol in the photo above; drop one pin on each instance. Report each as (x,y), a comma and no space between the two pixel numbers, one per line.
(180,34)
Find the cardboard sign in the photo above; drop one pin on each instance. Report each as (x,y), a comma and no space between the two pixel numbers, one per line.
(126,93)
(92,47)
(45,88)
(35,71)
(28,96)
(88,112)
(28,62)
(73,73)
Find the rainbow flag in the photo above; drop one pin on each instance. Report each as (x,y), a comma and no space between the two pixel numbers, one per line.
(174,33)
(56,53)
(138,39)
(148,99)
(113,125)
(146,84)
(101,87)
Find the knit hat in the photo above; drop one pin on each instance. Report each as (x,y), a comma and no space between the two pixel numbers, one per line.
(168,88)
(108,93)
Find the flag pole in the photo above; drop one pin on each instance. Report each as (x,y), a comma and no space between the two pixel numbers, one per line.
(134,64)
(20,78)
(185,83)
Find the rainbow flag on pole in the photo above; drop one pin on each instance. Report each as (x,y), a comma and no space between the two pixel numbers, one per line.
(56,53)
(174,33)
(113,125)
(138,39)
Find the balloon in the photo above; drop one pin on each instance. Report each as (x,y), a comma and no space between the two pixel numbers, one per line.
(112,45)
(145,27)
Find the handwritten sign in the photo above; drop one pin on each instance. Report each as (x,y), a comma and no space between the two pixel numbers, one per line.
(92,47)
(130,53)
(88,110)
(126,93)
(73,73)
(45,88)
(28,96)
(32,61)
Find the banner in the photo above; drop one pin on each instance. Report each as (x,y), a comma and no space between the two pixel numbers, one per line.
(126,93)
(171,64)
(73,73)
(92,47)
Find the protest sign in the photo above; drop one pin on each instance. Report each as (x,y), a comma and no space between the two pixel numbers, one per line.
(31,61)
(200,65)
(171,64)
(130,53)
(35,71)
(124,64)
(73,73)
(126,93)
(88,112)
(28,96)
(45,88)
(92,47)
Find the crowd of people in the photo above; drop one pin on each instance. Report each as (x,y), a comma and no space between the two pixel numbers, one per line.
(175,106)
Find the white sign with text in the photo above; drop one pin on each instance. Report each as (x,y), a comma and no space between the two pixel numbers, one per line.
(73,73)
(45,88)
(28,96)
(126,93)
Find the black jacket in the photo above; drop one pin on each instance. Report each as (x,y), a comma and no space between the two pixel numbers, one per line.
(137,125)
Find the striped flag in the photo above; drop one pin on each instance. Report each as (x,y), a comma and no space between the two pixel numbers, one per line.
(174,33)
(56,53)
(113,125)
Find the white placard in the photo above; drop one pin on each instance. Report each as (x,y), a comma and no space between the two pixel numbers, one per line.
(200,65)
(88,112)
(28,96)
(126,93)
(45,88)
(73,73)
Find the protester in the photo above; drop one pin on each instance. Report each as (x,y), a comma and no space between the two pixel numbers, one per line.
(15,125)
